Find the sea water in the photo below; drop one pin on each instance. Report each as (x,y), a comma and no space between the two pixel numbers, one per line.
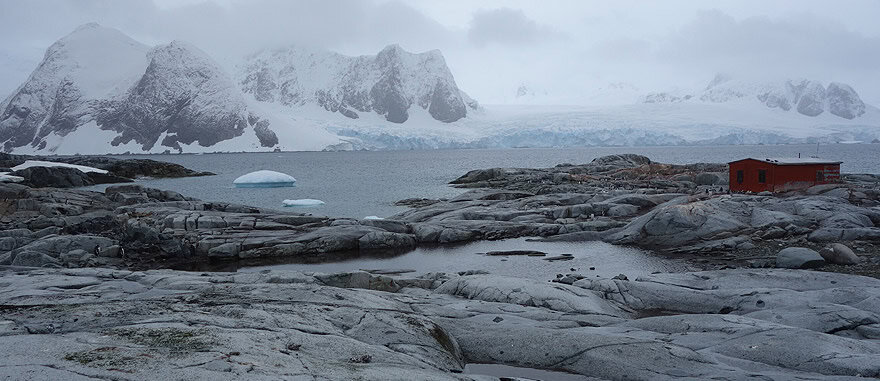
(367,183)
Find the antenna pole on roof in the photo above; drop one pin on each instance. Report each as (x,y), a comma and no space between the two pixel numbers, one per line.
(817,149)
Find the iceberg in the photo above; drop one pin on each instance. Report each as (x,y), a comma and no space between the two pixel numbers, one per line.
(303,202)
(264,179)
(39,163)
(373,218)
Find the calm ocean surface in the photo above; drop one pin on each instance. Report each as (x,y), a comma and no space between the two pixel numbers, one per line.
(359,184)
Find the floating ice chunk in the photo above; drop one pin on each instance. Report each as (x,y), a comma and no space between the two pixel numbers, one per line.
(373,218)
(303,202)
(264,179)
(39,163)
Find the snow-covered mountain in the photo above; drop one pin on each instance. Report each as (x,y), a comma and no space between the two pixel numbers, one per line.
(97,84)
(602,94)
(78,76)
(804,96)
(390,83)
(98,91)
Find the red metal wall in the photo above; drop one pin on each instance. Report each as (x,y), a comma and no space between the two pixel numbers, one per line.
(750,170)
(780,178)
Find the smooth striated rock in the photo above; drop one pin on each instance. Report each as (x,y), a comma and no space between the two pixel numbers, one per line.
(32,258)
(798,258)
(385,240)
(705,325)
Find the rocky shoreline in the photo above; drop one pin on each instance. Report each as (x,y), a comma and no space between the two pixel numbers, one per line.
(87,294)
(678,210)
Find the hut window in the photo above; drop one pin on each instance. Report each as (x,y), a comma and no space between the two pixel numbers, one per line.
(739,177)
(762,176)
(820,176)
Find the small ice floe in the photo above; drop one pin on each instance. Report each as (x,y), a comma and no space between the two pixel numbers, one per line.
(373,218)
(264,179)
(302,202)
(40,163)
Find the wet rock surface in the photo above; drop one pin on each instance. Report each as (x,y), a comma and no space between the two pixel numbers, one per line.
(629,200)
(619,199)
(733,324)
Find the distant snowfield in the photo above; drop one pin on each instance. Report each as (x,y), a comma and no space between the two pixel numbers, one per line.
(311,128)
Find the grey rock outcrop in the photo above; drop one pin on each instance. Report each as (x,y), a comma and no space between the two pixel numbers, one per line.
(843,101)
(63,177)
(704,325)
(182,81)
(116,167)
(810,98)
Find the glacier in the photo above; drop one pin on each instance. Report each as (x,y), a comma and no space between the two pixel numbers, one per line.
(264,179)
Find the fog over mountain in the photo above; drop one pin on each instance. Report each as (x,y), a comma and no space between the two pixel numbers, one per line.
(148,76)
(560,46)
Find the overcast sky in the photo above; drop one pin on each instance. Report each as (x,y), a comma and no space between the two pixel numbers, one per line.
(563,48)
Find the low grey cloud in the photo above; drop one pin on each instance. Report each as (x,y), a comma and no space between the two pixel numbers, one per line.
(506,26)
(797,43)
(562,46)
(622,49)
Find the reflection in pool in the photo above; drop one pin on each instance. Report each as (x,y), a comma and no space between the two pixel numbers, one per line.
(607,260)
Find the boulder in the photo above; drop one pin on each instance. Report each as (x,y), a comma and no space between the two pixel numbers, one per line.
(112,251)
(73,256)
(684,177)
(707,179)
(56,245)
(839,254)
(622,210)
(8,243)
(33,259)
(798,258)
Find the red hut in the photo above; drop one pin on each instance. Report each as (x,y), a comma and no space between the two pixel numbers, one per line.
(779,175)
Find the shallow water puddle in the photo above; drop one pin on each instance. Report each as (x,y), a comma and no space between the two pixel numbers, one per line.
(497,370)
(591,259)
